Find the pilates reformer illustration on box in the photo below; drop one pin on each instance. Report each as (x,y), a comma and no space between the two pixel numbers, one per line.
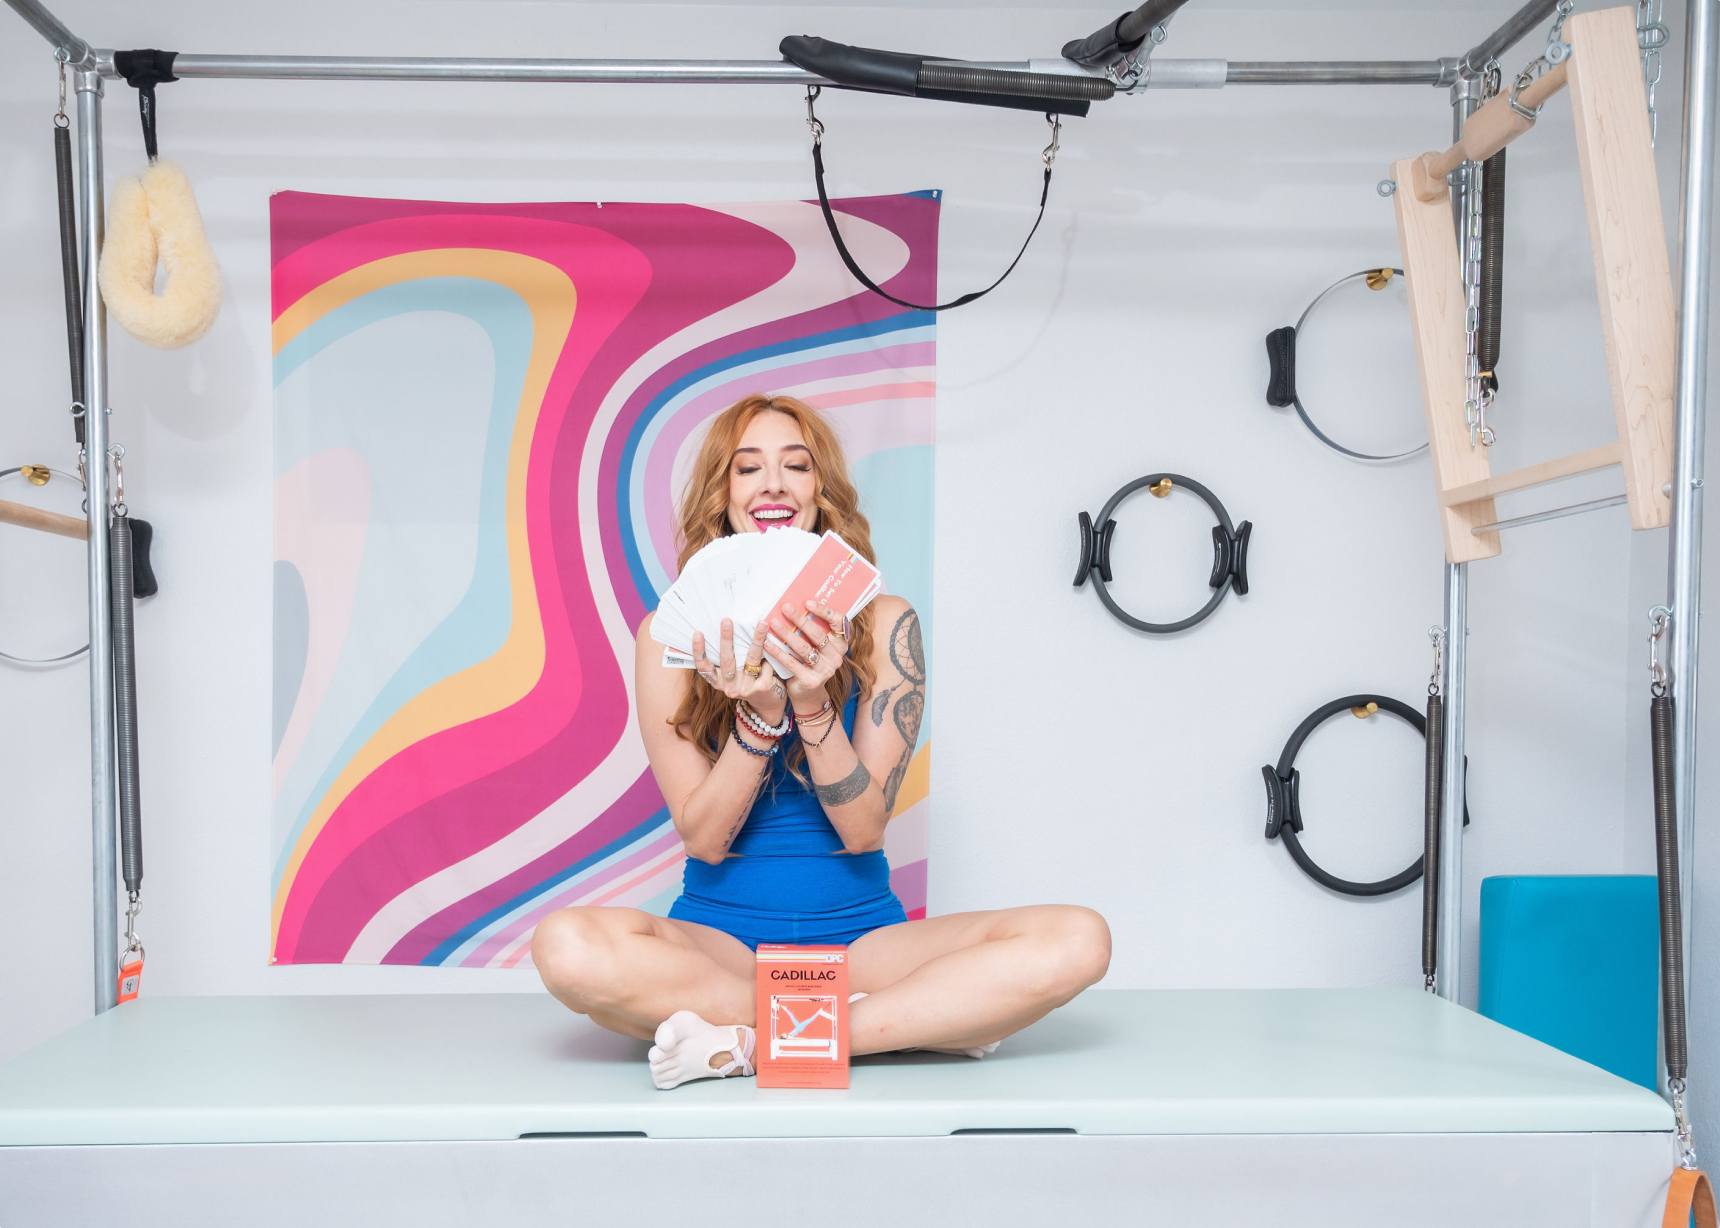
(803,1025)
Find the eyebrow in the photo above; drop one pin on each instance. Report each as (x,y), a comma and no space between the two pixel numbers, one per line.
(786,448)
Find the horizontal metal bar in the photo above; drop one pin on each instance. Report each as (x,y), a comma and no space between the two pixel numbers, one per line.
(430,68)
(1164,74)
(54,30)
(1507,36)
(1342,72)
(1556,513)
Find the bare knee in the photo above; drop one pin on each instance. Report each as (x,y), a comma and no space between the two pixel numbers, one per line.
(1076,950)
(573,950)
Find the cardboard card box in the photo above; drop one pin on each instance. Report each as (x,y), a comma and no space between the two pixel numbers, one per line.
(802,1015)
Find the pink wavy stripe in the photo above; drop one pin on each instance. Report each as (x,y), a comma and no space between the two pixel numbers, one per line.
(909,883)
(485,951)
(694,413)
(612,277)
(878,392)
(322,512)
(739,260)
(667,865)
(913,219)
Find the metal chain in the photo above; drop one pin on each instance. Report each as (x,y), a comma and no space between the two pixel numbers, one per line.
(1553,54)
(1652,35)
(1477,398)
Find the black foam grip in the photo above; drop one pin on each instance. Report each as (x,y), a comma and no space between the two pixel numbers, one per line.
(1102,46)
(892,72)
(143,582)
(1281,353)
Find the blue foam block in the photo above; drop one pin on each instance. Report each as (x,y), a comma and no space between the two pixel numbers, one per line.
(1574,962)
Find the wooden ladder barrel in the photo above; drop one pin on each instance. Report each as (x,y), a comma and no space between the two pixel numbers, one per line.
(1633,282)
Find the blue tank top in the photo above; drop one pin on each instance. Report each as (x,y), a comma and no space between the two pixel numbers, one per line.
(788,857)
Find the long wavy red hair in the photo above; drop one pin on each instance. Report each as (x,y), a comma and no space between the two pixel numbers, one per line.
(705,717)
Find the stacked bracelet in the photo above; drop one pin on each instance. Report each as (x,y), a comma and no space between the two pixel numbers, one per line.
(750,749)
(744,711)
(813,718)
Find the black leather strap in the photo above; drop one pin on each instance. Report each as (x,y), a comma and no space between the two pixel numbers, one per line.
(143,71)
(874,287)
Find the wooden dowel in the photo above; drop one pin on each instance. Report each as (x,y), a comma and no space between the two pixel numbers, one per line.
(48,522)
(1485,133)
(1554,470)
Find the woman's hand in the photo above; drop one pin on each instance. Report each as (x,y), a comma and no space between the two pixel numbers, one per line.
(755,684)
(817,644)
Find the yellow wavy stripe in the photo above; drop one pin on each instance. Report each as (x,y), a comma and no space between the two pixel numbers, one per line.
(917,783)
(511,672)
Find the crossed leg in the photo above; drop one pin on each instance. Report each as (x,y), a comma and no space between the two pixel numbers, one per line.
(959,981)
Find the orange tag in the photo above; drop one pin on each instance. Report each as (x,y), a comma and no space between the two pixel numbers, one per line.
(130,978)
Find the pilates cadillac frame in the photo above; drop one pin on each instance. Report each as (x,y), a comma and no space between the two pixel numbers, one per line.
(92,66)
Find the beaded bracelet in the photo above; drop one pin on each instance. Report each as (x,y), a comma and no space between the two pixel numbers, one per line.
(746,712)
(753,750)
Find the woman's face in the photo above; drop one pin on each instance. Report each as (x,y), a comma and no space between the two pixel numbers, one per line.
(772,481)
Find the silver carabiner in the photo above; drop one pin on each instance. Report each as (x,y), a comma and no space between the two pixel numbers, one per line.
(1437,635)
(812,121)
(1048,155)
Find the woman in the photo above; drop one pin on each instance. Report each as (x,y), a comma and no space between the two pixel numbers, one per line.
(781,794)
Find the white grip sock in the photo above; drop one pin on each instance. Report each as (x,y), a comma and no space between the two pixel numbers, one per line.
(686,1044)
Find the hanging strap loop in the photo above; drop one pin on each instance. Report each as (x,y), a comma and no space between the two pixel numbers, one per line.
(1047,156)
(143,71)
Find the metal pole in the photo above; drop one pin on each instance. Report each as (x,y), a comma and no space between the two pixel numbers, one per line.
(1341,72)
(1465,98)
(1165,73)
(1684,550)
(102,776)
(1506,36)
(54,30)
(1554,513)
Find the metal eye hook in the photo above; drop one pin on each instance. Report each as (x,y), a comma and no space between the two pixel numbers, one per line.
(1437,635)
(1659,619)
(62,56)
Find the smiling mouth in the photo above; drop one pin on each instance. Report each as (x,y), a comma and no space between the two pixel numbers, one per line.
(772,518)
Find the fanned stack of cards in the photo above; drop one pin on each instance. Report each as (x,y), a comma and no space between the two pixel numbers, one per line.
(745,577)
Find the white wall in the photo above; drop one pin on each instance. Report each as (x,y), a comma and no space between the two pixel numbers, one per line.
(1183,226)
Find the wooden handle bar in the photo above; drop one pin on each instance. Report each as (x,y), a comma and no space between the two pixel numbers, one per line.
(48,522)
(1485,133)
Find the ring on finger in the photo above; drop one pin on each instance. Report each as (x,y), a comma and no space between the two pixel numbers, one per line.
(754,668)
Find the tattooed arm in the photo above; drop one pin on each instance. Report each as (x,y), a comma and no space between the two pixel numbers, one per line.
(858,779)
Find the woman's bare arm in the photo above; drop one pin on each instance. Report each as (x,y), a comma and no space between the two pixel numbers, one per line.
(708,803)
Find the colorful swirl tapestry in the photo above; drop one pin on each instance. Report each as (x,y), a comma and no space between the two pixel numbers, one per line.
(484,416)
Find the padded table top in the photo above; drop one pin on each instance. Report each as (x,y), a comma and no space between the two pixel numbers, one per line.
(498,1066)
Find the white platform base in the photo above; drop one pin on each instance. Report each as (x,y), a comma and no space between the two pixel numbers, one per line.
(1287,1181)
(1287,1107)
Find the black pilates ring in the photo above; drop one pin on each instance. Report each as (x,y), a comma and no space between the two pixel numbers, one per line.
(1281,387)
(1283,796)
(1229,552)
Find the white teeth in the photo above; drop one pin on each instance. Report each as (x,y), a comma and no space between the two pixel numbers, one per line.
(773,515)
